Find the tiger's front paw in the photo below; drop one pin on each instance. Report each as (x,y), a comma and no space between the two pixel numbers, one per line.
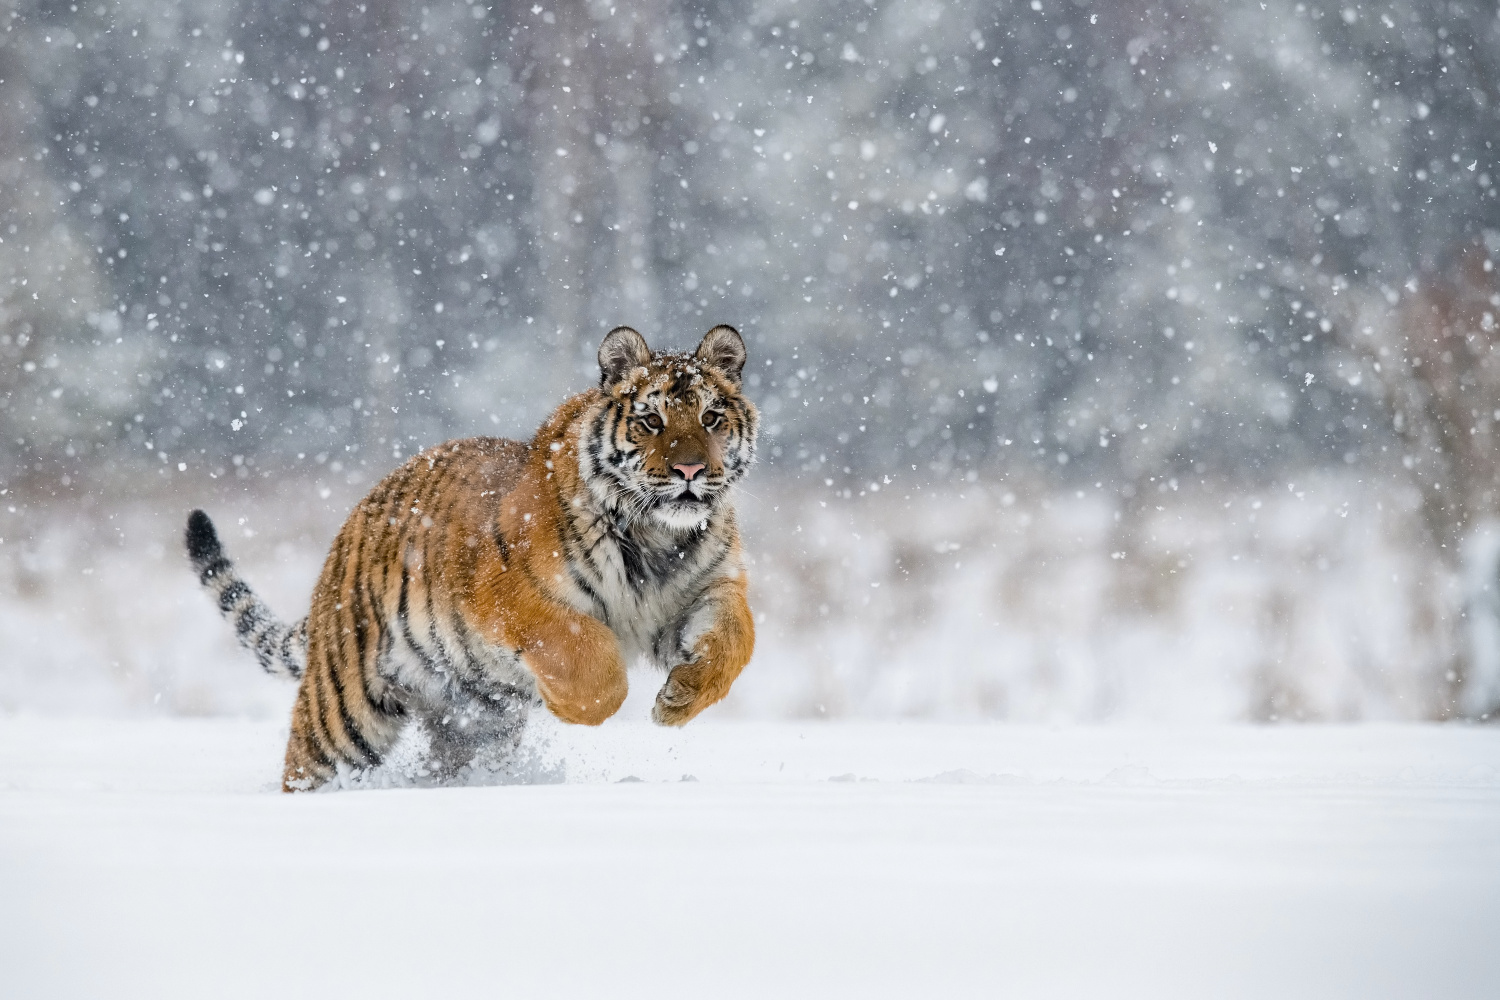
(676,703)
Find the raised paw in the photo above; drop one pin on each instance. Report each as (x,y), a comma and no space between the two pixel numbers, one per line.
(676,703)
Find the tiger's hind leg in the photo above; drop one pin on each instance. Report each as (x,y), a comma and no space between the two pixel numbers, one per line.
(336,731)
(482,735)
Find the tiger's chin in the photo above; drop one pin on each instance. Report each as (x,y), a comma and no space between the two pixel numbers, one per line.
(683,513)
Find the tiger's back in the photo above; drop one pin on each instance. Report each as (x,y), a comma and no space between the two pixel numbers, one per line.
(485,576)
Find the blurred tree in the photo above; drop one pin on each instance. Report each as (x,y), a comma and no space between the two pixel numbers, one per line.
(66,380)
(1435,359)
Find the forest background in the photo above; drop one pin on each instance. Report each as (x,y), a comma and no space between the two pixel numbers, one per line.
(1117,360)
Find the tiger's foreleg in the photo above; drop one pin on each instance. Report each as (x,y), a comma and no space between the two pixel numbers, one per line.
(574,658)
(716,659)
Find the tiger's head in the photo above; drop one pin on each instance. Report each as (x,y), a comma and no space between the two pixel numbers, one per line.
(675,432)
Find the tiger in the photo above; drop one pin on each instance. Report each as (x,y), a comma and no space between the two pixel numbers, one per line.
(488,577)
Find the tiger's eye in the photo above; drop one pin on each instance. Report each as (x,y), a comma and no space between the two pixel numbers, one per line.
(653,421)
(711,419)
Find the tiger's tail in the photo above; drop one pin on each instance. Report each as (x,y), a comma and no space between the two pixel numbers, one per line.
(280,648)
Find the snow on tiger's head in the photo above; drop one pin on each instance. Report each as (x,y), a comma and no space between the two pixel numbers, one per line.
(676,430)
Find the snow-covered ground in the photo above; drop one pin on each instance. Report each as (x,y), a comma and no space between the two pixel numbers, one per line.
(154,858)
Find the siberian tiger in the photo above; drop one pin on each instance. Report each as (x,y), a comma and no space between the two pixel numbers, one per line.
(487,576)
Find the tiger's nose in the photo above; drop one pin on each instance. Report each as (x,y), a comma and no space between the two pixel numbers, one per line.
(688,471)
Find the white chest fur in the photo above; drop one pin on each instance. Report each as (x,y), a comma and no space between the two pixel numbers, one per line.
(646,583)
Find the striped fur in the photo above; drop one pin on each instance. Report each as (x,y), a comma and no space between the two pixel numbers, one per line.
(281,649)
(486,576)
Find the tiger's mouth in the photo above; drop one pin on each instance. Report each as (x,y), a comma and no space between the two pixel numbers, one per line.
(683,509)
(685,497)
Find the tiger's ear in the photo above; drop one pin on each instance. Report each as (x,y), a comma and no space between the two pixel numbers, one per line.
(724,348)
(622,350)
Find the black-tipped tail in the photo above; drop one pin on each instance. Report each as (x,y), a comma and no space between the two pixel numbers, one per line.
(281,649)
(203,542)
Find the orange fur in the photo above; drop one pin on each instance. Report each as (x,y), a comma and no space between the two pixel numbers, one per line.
(718,658)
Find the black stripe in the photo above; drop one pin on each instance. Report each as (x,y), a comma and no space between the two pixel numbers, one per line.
(367,592)
(437,640)
(474,693)
(675,632)
(356,735)
(589,592)
(246,620)
(630,557)
(213,569)
(288,658)
(663,562)
(328,707)
(587,553)
(439,669)
(383,567)
(617,419)
(382,635)
(370,505)
(689,549)
(596,439)
(619,458)
(230,595)
(403,614)
(567,532)
(317,725)
(430,488)
(383,649)
(712,565)
(445,502)
(265,639)
(365,604)
(338,556)
(535,580)
(607,531)
(390,704)
(360,625)
(265,646)
(315,742)
(472,664)
(392,505)
(648,564)
(317,750)
(346,722)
